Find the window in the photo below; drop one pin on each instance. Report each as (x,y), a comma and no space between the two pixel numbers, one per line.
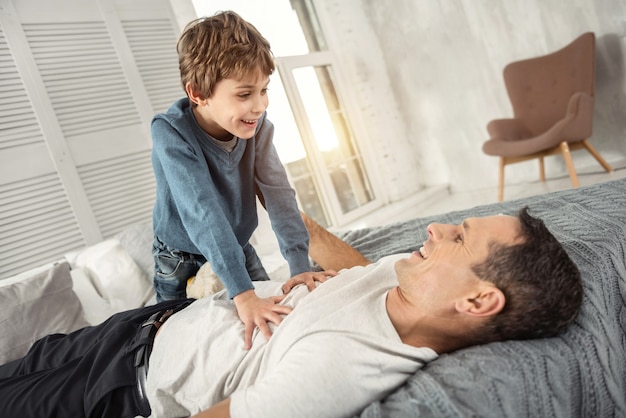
(313,130)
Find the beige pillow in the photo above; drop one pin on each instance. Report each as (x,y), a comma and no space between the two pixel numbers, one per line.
(35,306)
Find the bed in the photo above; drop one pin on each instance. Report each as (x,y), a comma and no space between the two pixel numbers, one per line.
(581,373)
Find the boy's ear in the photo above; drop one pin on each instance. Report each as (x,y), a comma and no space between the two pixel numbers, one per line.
(194,95)
(487,302)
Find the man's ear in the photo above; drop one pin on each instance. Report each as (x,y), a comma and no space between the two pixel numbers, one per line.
(487,302)
(194,95)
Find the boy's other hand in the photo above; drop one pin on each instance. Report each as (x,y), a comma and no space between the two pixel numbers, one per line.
(309,278)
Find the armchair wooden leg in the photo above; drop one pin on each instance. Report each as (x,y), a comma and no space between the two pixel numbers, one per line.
(501,180)
(542,170)
(597,156)
(567,156)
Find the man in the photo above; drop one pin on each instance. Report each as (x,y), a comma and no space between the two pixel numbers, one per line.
(351,341)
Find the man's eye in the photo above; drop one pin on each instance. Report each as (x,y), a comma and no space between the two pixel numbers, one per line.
(459,238)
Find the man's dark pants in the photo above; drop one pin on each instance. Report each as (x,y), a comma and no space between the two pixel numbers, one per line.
(90,372)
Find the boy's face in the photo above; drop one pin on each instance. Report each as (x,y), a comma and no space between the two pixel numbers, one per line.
(234,108)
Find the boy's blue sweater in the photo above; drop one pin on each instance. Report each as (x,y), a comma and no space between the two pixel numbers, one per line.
(206,197)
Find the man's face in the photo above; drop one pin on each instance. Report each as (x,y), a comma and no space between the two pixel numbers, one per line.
(234,107)
(442,269)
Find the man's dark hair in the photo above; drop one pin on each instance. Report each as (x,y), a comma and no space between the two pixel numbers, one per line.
(541,283)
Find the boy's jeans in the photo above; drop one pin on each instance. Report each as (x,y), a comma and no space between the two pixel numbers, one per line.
(172,269)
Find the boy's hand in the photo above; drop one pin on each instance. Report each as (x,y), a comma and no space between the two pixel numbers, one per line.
(309,278)
(256,312)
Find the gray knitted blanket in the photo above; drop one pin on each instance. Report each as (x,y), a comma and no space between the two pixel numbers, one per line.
(580,373)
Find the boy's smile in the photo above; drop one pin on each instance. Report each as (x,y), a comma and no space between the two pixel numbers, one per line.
(234,107)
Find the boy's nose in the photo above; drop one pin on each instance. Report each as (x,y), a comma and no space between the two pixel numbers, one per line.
(260,104)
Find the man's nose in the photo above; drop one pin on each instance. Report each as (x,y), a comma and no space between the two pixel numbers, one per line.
(438,232)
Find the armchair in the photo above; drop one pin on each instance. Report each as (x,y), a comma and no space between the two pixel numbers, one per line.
(553,99)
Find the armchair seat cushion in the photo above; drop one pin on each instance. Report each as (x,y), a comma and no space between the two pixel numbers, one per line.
(511,147)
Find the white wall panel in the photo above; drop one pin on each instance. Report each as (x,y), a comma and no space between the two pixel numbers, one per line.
(79,83)
(148,39)
(82,75)
(37,225)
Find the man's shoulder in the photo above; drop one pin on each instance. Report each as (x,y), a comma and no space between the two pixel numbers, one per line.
(383,261)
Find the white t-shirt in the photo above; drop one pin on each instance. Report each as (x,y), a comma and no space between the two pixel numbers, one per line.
(334,354)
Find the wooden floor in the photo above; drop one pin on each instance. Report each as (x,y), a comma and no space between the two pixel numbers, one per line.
(440,200)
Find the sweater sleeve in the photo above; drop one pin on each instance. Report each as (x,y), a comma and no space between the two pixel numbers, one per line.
(279,199)
(184,180)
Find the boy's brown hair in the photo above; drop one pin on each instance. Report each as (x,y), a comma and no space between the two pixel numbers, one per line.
(211,49)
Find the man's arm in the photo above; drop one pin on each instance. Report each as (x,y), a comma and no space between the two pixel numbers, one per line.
(219,410)
(328,251)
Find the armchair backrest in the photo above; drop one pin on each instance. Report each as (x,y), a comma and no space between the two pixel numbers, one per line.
(540,88)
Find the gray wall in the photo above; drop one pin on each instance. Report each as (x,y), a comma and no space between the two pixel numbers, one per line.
(433,69)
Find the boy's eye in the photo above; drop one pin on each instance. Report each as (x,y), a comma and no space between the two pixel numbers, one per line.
(264,91)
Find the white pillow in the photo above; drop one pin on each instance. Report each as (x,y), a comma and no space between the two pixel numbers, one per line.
(137,240)
(35,306)
(97,308)
(114,275)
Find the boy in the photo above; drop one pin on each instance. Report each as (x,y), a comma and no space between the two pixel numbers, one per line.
(212,156)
